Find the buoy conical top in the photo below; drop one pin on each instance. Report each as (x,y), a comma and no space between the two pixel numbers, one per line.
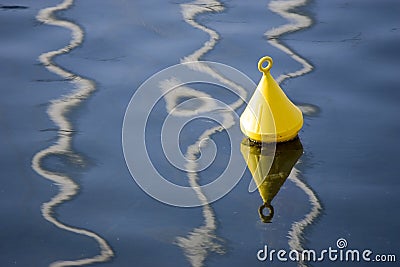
(270,116)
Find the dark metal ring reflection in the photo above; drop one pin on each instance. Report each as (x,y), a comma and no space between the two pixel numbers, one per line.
(266,218)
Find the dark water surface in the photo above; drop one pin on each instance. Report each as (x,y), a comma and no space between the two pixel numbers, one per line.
(338,60)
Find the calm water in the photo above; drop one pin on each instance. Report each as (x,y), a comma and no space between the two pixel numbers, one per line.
(67,197)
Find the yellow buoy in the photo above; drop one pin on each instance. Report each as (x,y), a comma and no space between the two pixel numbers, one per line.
(270,116)
(270,178)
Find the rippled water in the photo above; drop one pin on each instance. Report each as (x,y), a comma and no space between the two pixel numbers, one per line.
(70,67)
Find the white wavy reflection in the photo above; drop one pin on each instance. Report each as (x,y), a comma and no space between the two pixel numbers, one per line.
(297,230)
(201,240)
(296,22)
(57,112)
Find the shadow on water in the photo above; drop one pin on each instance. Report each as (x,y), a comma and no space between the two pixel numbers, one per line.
(12,7)
(57,112)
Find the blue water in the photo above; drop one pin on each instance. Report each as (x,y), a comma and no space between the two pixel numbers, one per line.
(349,139)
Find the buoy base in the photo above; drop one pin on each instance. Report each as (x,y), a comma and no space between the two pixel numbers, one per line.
(272,138)
(257,143)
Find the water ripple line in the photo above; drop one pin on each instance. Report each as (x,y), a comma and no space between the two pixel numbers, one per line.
(296,22)
(296,233)
(202,240)
(57,112)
